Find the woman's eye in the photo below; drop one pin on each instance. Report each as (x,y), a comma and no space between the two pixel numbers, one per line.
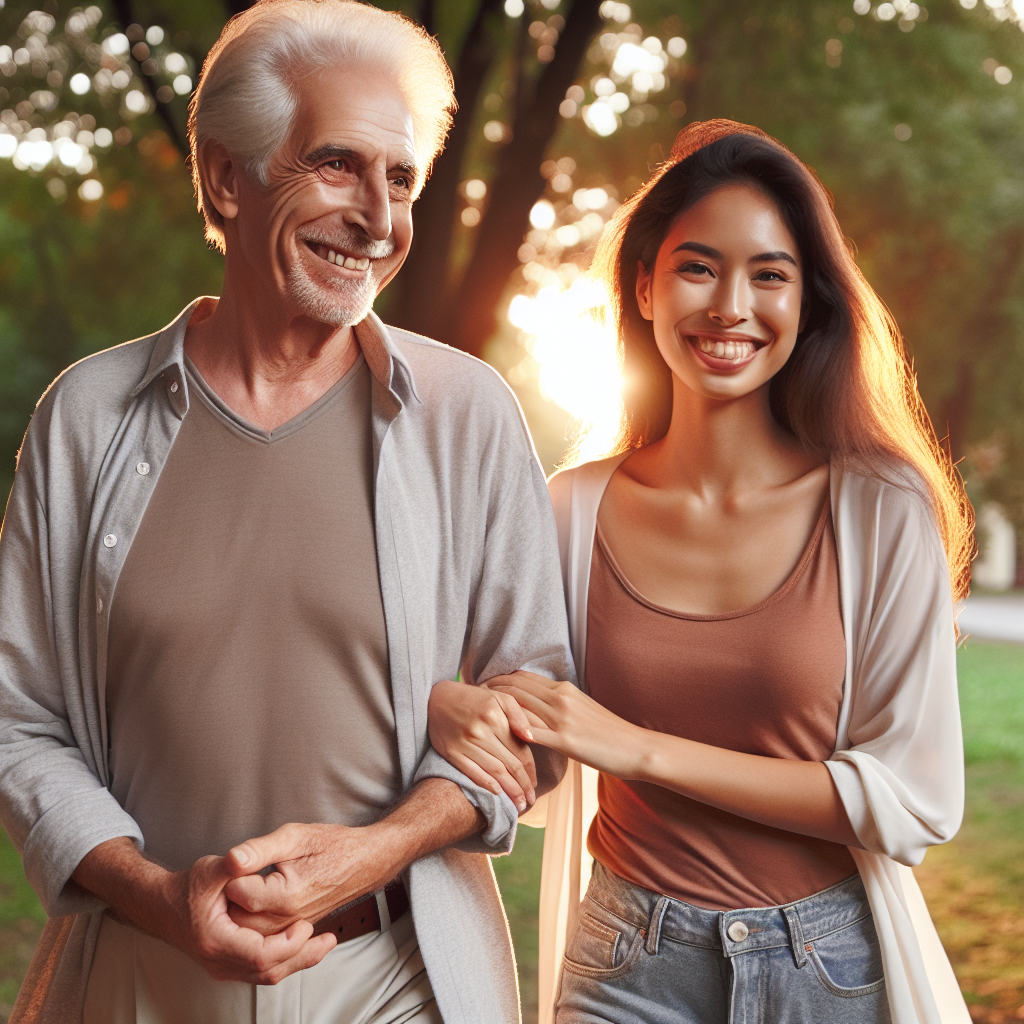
(770,275)
(694,268)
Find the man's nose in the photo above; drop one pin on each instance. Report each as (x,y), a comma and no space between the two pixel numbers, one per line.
(371,209)
(730,302)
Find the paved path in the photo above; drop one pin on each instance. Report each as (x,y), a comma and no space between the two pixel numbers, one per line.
(994,618)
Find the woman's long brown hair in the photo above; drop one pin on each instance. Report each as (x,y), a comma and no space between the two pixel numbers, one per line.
(848,392)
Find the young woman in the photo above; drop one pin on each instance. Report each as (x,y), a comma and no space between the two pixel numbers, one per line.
(760,588)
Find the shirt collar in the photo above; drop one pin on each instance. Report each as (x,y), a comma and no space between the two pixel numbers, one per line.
(385,360)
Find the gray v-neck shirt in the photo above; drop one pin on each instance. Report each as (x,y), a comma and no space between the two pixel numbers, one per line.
(248,682)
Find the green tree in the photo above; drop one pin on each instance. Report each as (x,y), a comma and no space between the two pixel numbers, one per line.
(911,114)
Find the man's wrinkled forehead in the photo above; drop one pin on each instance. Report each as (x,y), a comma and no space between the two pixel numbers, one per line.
(360,117)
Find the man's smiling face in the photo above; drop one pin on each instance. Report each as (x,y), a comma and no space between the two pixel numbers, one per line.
(334,223)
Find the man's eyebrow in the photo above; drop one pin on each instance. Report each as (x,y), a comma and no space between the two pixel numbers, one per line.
(332,152)
(407,167)
(335,152)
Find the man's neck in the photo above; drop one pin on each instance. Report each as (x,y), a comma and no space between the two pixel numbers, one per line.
(267,368)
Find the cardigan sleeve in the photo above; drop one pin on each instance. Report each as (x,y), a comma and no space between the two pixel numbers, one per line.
(516,617)
(52,804)
(899,769)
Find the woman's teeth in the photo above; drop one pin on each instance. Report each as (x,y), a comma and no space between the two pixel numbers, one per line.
(348,262)
(734,351)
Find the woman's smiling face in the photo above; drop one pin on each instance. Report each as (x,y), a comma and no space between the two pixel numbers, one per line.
(724,295)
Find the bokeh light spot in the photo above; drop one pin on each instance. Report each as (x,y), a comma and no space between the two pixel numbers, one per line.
(600,119)
(90,190)
(542,216)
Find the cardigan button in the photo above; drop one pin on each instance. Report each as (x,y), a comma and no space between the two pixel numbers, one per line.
(110,540)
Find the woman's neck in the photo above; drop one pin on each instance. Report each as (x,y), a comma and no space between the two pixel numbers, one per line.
(725,447)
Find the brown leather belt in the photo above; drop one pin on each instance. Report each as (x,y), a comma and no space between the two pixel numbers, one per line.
(362,916)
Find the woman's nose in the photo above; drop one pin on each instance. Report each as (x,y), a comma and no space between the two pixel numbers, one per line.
(729,305)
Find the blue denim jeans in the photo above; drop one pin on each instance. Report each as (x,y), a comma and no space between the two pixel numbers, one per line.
(640,958)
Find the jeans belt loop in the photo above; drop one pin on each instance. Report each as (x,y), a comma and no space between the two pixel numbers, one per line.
(654,925)
(796,936)
(382,909)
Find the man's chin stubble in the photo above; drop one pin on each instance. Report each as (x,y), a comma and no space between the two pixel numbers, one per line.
(344,305)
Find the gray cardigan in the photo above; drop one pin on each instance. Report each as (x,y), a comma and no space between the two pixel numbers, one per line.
(469,575)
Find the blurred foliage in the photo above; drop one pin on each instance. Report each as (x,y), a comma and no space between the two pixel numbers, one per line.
(904,111)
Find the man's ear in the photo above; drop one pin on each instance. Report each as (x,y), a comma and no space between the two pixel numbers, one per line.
(219,172)
(643,291)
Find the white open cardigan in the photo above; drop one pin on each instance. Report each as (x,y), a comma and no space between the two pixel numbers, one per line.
(898,763)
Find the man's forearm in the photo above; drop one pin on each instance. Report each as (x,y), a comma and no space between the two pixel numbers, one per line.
(139,892)
(434,815)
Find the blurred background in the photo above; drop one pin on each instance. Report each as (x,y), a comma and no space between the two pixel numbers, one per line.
(911,114)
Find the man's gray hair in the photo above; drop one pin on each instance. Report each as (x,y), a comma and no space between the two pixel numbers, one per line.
(246,98)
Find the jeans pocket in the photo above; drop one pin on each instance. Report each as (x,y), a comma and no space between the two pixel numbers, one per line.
(848,962)
(602,948)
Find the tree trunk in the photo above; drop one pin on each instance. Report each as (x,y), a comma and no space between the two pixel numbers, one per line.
(125,15)
(517,185)
(421,304)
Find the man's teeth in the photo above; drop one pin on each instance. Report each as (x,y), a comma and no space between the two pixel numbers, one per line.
(731,350)
(348,262)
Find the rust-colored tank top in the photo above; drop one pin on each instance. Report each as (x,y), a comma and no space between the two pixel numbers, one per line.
(767,680)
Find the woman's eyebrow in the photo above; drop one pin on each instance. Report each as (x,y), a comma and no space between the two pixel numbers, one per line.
(711,253)
(704,250)
(773,257)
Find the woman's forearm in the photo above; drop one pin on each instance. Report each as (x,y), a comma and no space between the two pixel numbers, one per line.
(798,796)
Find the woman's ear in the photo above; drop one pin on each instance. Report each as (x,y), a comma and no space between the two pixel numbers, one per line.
(643,291)
(219,174)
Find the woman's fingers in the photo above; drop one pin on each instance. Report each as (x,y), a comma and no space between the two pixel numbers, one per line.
(496,770)
(474,772)
(517,760)
(518,721)
(537,709)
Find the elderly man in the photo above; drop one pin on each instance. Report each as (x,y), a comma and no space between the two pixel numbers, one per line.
(237,556)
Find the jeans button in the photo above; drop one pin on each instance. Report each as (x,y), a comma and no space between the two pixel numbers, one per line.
(737,931)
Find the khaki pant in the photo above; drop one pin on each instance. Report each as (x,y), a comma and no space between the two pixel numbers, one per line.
(376,979)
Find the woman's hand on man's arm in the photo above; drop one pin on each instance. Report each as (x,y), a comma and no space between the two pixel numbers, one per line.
(485,735)
(798,796)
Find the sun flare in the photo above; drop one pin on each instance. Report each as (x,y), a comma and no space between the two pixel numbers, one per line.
(567,332)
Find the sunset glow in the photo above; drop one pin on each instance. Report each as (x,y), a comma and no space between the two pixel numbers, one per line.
(565,331)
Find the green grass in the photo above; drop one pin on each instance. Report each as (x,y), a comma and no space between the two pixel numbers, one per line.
(21,921)
(518,877)
(974,885)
